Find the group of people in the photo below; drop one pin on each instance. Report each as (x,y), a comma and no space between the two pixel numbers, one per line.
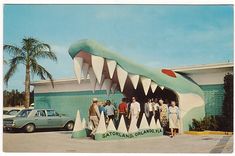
(131,111)
(166,113)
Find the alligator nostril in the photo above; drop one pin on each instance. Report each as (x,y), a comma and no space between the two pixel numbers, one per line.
(169,72)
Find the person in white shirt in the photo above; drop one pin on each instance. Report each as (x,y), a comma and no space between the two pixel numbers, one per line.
(134,110)
(156,109)
(148,109)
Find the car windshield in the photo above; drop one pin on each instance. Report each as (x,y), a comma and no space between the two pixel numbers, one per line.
(24,113)
(13,112)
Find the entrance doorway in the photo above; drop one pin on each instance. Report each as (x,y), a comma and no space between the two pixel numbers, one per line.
(167,95)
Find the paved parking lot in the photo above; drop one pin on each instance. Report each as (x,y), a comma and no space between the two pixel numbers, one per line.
(60,141)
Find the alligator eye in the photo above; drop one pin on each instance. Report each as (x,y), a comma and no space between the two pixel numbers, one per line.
(169,72)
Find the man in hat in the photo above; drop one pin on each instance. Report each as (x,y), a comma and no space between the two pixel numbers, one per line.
(94,115)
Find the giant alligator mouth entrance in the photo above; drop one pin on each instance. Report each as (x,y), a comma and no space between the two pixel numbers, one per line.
(108,74)
(107,70)
(160,93)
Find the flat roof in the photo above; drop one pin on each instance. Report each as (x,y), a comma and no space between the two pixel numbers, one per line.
(186,69)
(55,81)
(203,67)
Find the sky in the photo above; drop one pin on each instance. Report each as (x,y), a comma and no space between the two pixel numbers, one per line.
(158,36)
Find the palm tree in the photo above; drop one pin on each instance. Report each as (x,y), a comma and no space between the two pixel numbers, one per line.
(28,55)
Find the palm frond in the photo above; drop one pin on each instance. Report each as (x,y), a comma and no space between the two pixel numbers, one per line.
(42,46)
(13,50)
(45,54)
(43,50)
(41,71)
(29,44)
(13,66)
(9,73)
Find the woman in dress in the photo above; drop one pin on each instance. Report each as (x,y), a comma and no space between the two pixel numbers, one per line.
(163,109)
(173,118)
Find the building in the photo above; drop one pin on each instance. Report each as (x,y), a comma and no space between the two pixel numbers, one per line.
(101,73)
(210,78)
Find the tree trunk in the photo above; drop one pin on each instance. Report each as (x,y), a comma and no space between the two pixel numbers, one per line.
(27,86)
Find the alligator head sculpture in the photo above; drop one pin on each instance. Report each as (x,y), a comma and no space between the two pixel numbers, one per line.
(114,71)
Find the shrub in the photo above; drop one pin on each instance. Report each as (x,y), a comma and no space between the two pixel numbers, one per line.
(196,126)
(228,102)
(207,123)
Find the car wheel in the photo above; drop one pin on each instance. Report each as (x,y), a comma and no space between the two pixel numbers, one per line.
(69,126)
(29,128)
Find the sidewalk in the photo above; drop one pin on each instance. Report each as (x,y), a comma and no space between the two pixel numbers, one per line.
(61,141)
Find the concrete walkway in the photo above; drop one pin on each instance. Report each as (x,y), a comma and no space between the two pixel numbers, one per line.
(225,145)
(60,141)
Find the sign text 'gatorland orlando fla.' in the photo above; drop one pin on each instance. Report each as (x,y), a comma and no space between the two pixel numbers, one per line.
(120,135)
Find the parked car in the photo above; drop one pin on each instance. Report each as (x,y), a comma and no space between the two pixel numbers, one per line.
(31,106)
(5,112)
(31,119)
(9,112)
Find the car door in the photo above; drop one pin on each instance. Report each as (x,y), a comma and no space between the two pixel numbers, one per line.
(54,119)
(40,119)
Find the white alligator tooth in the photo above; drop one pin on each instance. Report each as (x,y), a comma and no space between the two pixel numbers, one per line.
(78,124)
(102,81)
(122,75)
(97,65)
(101,126)
(122,126)
(144,123)
(111,126)
(113,88)
(111,67)
(85,68)
(133,128)
(134,79)
(146,84)
(97,86)
(158,125)
(162,87)
(84,124)
(77,61)
(153,123)
(153,86)
(92,79)
(107,84)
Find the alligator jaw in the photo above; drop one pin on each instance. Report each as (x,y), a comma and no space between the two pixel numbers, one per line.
(110,75)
